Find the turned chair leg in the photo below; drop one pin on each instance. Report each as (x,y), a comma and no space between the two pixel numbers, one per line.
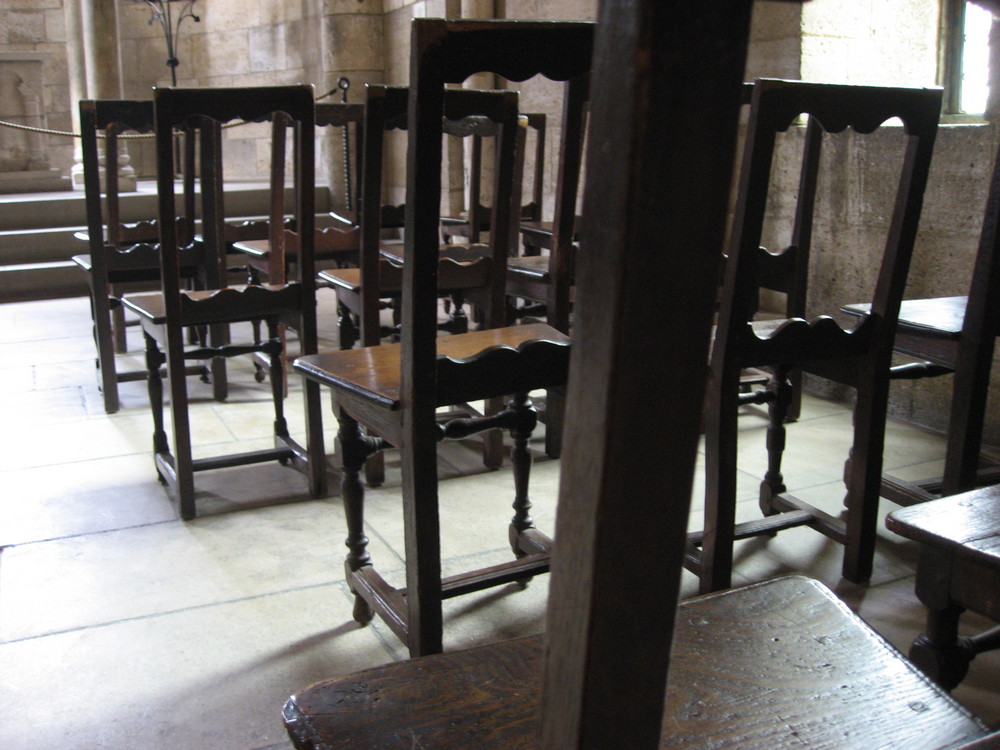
(354,450)
(274,349)
(773,484)
(525,420)
(154,384)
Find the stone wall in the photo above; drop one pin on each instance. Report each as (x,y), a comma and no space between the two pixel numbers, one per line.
(38,26)
(260,43)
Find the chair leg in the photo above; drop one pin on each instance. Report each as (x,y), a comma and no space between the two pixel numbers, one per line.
(782,392)
(525,420)
(100,312)
(274,349)
(721,433)
(864,480)
(154,384)
(354,449)
(555,410)
(219,336)
(118,326)
(493,448)
(346,327)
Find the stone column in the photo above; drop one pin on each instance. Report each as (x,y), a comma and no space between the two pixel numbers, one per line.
(94,54)
(77,63)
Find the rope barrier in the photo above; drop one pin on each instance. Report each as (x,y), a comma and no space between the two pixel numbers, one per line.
(122,136)
(136,136)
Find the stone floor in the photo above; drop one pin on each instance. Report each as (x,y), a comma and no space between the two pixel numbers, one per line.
(123,627)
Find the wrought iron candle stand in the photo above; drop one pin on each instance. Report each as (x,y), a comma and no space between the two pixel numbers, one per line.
(161,11)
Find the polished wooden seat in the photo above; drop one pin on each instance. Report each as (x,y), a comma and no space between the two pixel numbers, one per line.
(122,254)
(164,314)
(959,569)
(487,364)
(820,657)
(858,358)
(955,335)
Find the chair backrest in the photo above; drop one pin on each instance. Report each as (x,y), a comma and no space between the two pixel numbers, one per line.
(478,214)
(775,106)
(467,113)
(113,243)
(282,235)
(444,52)
(204,111)
(787,270)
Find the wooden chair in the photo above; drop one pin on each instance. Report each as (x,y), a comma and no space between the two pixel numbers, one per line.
(778,665)
(121,254)
(857,358)
(338,242)
(959,569)
(164,314)
(396,389)
(955,335)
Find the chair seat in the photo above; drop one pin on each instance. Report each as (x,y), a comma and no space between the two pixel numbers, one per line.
(534,266)
(942,316)
(460,253)
(453,274)
(374,372)
(232,304)
(779,664)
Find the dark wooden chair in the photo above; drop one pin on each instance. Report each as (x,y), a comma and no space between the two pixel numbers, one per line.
(396,389)
(164,314)
(730,649)
(959,569)
(122,254)
(858,358)
(955,335)
(777,665)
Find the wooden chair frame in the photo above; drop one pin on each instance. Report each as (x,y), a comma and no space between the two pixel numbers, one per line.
(955,335)
(121,254)
(163,315)
(858,358)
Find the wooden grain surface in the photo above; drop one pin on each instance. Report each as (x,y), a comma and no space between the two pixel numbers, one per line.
(967,524)
(374,371)
(782,664)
